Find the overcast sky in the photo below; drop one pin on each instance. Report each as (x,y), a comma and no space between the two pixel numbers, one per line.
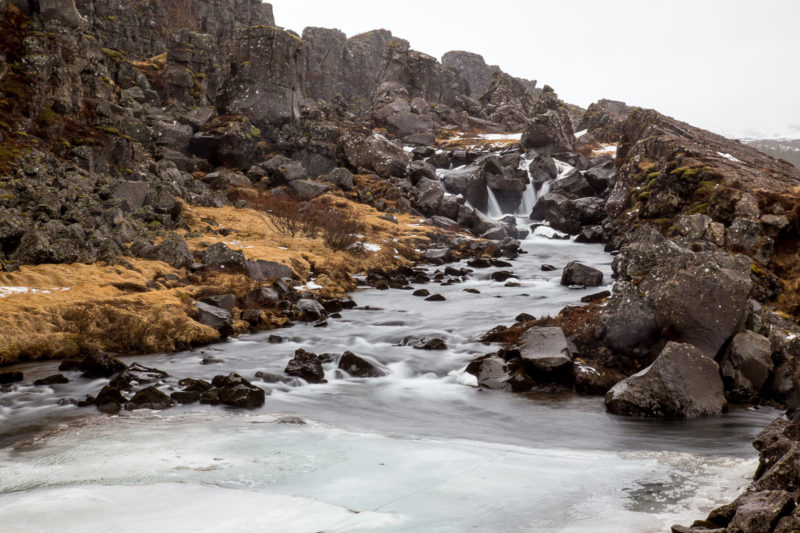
(731,66)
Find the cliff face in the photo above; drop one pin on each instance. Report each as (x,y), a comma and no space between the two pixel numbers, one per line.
(143,29)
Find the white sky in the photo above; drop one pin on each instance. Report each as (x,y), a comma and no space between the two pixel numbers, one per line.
(731,66)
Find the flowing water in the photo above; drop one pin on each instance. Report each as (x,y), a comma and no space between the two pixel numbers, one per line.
(416,450)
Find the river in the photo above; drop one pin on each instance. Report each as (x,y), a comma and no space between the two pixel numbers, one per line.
(416,450)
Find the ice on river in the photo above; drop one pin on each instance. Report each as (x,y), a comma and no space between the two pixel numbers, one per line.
(221,472)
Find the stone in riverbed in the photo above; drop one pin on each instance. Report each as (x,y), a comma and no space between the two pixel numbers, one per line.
(358,367)
(56,379)
(306,365)
(136,373)
(109,400)
(100,365)
(579,274)
(10,377)
(309,310)
(149,398)
(545,350)
(185,397)
(490,372)
(236,391)
(681,383)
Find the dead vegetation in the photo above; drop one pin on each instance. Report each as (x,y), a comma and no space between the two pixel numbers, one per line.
(134,309)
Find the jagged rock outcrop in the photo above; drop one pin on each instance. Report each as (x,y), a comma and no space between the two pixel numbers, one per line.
(550,129)
(422,75)
(266,79)
(473,68)
(508,102)
(146,29)
(603,120)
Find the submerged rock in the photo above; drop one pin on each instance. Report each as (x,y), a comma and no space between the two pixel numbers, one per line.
(358,367)
(681,383)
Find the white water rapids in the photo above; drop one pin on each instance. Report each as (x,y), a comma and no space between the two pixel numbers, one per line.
(412,451)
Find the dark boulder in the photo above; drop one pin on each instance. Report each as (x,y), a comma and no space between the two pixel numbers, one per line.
(541,169)
(602,177)
(223,301)
(136,374)
(628,324)
(261,270)
(266,79)
(149,398)
(56,379)
(700,298)
(100,365)
(306,365)
(217,318)
(109,400)
(759,512)
(10,377)
(544,350)
(548,133)
(579,274)
(572,185)
(746,365)
(308,189)
(282,170)
(221,258)
(236,391)
(358,367)
(491,372)
(309,310)
(173,250)
(341,177)
(375,153)
(681,383)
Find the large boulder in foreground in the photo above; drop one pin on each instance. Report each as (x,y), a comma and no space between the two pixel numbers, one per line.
(681,383)
(700,298)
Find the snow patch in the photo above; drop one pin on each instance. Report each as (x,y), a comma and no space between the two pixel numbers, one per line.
(371,247)
(7,291)
(729,157)
(579,134)
(501,136)
(310,286)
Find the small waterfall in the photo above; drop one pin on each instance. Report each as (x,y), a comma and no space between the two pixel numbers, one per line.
(493,207)
(529,197)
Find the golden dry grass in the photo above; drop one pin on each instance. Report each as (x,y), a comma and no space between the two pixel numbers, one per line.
(104,309)
(93,312)
(258,238)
